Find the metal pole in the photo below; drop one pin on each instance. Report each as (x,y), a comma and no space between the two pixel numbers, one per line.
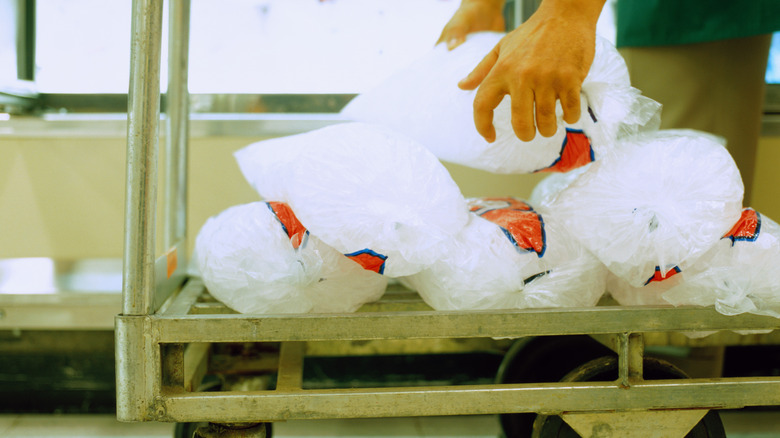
(142,139)
(518,13)
(630,358)
(177,126)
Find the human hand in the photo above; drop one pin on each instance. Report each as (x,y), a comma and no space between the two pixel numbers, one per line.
(473,16)
(544,60)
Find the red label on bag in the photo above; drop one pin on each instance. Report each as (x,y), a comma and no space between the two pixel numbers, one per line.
(290,224)
(575,152)
(171,261)
(520,223)
(493,203)
(369,260)
(658,277)
(747,227)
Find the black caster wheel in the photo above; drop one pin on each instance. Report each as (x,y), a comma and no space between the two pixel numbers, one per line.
(186,430)
(211,430)
(243,430)
(539,360)
(606,369)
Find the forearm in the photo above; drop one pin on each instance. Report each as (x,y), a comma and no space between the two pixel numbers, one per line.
(489,3)
(586,10)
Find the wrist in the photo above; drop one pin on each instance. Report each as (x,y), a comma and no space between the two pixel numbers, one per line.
(586,10)
(492,4)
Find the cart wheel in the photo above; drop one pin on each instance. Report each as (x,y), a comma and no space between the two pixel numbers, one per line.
(542,359)
(186,430)
(242,430)
(606,369)
(210,430)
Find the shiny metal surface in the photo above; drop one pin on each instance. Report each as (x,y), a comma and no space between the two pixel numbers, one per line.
(138,369)
(177,126)
(546,398)
(142,144)
(179,325)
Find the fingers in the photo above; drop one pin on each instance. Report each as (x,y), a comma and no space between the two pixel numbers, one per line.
(473,79)
(486,100)
(546,122)
(453,35)
(570,101)
(455,42)
(532,109)
(523,114)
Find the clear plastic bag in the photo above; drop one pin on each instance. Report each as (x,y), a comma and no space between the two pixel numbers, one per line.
(424,102)
(257,258)
(650,294)
(510,256)
(739,274)
(659,201)
(363,189)
(544,193)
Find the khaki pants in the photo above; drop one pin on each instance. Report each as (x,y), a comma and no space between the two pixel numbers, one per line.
(716,87)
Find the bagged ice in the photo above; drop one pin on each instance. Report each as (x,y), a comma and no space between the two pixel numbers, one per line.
(258,258)
(650,294)
(369,192)
(424,102)
(657,203)
(544,193)
(739,274)
(510,257)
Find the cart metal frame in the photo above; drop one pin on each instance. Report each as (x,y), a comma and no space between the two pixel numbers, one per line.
(164,331)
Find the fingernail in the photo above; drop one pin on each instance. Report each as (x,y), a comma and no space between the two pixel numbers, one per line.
(452,43)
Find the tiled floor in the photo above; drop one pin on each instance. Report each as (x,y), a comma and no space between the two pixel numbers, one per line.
(743,424)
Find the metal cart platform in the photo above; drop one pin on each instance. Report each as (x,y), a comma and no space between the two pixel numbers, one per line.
(169,326)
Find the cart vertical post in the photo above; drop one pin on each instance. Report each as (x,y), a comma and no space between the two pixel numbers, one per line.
(136,352)
(177,127)
(142,140)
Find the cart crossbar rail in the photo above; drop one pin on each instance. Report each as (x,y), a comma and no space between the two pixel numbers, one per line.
(544,398)
(433,324)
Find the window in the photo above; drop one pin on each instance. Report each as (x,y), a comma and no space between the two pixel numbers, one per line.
(17,48)
(243,46)
(299,55)
(773,66)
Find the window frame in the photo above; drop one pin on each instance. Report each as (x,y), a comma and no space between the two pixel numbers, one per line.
(21,97)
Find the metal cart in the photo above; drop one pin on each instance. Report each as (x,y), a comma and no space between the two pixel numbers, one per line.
(169,327)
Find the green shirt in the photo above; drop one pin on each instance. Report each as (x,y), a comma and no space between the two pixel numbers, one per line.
(667,22)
